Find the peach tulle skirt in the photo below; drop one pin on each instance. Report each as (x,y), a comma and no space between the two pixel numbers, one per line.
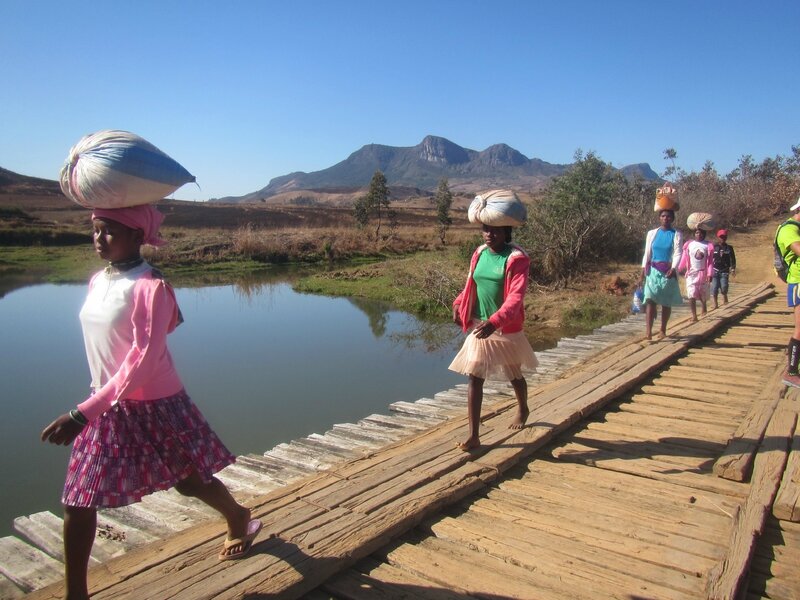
(500,353)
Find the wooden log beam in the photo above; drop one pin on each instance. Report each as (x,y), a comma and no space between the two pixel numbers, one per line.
(787,502)
(737,459)
(726,578)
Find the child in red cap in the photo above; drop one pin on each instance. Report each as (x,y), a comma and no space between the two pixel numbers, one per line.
(724,267)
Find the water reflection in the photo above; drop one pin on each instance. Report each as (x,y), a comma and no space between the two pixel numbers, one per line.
(264,364)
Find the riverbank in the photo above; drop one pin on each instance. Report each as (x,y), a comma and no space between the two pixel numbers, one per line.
(407,266)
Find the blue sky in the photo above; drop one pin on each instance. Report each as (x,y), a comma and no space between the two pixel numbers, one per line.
(243,91)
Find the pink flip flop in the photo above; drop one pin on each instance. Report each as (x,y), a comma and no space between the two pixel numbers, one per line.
(246,542)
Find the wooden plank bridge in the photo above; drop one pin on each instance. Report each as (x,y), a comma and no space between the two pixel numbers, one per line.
(668,469)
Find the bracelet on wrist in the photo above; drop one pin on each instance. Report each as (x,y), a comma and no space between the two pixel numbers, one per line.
(78,417)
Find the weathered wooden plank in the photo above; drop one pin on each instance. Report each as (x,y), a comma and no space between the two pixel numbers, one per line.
(787,502)
(28,567)
(356,448)
(550,576)
(369,431)
(606,459)
(365,441)
(726,578)
(718,391)
(655,514)
(685,413)
(610,485)
(8,589)
(302,458)
(402,423)
(412,408)
(670,426)
(42,537)
(321,445)
(597,438)
(597,528)
(660,435)
(753,379)
(737,459)
(44,530)
(518,544)
(373,580)
(458,568)
(118,526)
(695,405)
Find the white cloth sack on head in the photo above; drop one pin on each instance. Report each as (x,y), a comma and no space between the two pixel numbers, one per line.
(118,169)
(700,220)
(497,208)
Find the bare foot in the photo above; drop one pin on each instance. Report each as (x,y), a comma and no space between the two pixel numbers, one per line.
(471,443)
(519,420)
(694,319)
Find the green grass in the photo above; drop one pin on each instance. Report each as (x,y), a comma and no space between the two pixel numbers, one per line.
(424,283)
(590,312)
(61,264)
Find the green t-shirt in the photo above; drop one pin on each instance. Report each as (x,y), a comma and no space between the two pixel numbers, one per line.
(787,236)
(489,275)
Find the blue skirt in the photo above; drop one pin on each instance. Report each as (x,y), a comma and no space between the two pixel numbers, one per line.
(661,290)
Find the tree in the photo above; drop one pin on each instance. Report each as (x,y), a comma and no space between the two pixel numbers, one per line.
(378,199)
(361,212)
(670,154)
(375,205)
(582,218)
(443,200)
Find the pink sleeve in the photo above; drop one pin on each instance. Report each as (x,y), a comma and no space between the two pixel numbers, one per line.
(517,285)
(154,316)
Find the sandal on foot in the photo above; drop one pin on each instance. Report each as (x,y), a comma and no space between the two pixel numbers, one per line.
(246,542)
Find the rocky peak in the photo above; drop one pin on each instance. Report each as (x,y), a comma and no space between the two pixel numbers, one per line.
(501,155)
(441,151)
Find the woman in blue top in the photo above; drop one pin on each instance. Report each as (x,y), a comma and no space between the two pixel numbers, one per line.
(662,252)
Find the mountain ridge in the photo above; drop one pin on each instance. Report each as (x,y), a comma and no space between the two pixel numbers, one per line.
(422,167)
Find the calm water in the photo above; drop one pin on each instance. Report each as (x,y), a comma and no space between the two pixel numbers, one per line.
(263,363)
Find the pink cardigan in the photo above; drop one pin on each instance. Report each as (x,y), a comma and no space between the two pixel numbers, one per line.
(144,369)
(510,316)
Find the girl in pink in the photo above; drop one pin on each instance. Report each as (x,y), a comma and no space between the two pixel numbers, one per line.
(491,306)
(137,432)
(697,262)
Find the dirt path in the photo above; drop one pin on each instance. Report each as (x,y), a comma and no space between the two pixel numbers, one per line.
(754,254)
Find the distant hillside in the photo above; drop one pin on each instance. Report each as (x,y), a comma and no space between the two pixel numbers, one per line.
(14,183)
(422,167)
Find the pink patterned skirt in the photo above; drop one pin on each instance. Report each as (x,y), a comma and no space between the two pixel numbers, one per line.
(500,353)
(140,447)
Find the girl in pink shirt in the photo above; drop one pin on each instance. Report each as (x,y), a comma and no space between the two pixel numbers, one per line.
(138,431)
(697,265)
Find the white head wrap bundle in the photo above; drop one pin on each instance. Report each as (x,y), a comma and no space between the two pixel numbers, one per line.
(497,208)
(700,220)
(118,169)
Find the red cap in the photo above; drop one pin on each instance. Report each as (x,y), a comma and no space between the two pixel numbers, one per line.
(722,233)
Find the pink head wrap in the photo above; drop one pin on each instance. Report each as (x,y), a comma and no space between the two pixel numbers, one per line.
(144,216)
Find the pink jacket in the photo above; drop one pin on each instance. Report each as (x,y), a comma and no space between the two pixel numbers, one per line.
(144,369)
(510,316)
